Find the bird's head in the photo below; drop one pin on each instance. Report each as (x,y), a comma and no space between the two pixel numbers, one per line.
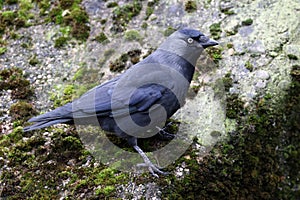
(187,43)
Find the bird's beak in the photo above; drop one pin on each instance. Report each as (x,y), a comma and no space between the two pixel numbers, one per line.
(209,43)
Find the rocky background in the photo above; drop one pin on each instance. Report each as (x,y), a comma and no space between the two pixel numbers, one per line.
(53,51)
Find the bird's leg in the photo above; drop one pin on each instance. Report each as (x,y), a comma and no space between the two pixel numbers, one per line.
(164,135)
(152,168)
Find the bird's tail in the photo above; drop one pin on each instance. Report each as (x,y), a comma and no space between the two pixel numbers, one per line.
(59,115)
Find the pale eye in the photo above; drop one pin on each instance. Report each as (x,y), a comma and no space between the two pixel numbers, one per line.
(190,40)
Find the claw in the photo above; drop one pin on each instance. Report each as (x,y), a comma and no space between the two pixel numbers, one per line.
(151,167)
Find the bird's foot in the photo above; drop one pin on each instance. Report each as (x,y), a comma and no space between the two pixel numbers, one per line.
(153,169)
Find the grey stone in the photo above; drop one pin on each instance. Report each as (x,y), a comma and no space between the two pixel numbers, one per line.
(262,74)
(261,84)
(284,85)
(257,47)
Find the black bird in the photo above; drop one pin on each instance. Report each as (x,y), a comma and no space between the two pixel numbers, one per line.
(141,98)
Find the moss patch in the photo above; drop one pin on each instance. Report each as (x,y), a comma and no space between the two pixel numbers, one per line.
(13,79)
(46,171)
(18,17)
(249,66)
(121,63)
(70,13)
(227,81)
(101,38)
(22,111)
(190,6)
(3,50)
(84,79)
(247,22)
(132,35)
(215,53)
(123,14)
(33,60)
(215,30)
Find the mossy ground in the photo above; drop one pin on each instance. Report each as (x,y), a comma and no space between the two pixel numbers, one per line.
(13,79)
(23,13)
(121,63)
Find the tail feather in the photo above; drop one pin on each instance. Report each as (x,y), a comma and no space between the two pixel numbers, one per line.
(44,124)
(59,115)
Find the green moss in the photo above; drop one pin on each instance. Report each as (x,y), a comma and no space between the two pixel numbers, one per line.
(44,6)
(233,31)
(215,53)
(227,81)
(229,12)
(134,55)
(13,79)
(215,30)
(144,25)
(150,8)
(101,38)
(248,160)
(55,15)
(112,4)
(78,15)
(292,57)
(169,31)
(247,22)
(25,5)
(106,190)
(33,60)
(79,74)
(7,17)
(249,66)
(71,143)
(132,35)
(226,10)
(65,4)
(88,76)
(123,14)
(3,50)
(229,45)
(149,12)
(35,170)
(77,18)
(65,31)
(190,6)
(10,2)
(22,110)
(15,36)
(61,41)
(120,64)
(63,95)
(109,178)
(80,31)
(103,21)
(24,13)
(234,107)
(83,80)
(16,135)
(10,20)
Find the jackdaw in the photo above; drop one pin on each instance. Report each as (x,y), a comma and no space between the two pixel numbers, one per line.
(139,101)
